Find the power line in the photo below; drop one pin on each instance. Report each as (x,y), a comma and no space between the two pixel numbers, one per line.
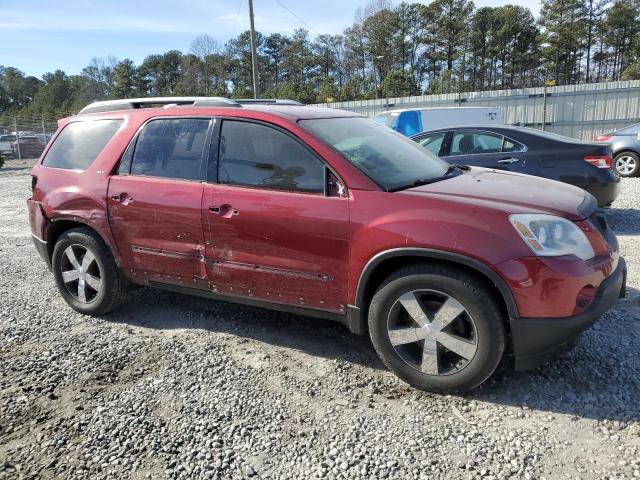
(297,17)
(235,21)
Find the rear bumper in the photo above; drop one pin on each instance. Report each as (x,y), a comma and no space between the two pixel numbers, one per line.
(38,222)
(538,340)
(605,189)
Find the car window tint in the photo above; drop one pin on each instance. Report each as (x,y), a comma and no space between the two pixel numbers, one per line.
(469,143)
(170,148)
(511,146)
(80,143)
(432,142)
(260,156)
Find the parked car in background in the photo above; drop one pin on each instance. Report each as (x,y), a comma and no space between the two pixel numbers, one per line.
(411,121)
(30,147)
(523,150)
(324,213)
(625,144)
(43,137)
(5,145)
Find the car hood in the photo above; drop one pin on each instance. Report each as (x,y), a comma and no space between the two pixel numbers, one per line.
(511,192)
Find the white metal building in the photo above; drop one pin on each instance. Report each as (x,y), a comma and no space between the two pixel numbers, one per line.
(579,111)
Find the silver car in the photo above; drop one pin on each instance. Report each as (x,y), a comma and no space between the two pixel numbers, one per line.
(625,144)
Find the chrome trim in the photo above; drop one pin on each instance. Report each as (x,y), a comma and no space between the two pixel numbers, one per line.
(323,277)
(39,239)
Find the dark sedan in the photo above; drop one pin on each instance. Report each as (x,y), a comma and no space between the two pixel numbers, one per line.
(587,165)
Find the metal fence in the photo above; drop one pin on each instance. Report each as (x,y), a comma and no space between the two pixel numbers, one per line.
(578,111)
(41,126)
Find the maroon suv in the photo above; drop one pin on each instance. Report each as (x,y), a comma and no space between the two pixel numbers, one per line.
(324,213)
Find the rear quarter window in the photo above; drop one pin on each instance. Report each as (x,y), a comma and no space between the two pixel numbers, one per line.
(79,143)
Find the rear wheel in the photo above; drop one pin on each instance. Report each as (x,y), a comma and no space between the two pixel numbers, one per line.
(627,164)
(86,273)
(437,328)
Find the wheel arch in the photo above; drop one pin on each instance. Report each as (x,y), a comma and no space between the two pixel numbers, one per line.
(385,263)
(624,149)
(58,227)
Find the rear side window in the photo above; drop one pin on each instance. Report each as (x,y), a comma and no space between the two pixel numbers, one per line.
(79,143)
(259,156)
(432,142)
(169,148)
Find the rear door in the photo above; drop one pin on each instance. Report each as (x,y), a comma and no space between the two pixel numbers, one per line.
(155,199)
(275,229)
(485,149)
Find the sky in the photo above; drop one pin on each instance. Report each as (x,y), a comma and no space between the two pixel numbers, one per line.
(38,36)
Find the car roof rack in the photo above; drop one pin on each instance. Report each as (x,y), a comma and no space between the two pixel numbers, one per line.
(267,101)
(134,103)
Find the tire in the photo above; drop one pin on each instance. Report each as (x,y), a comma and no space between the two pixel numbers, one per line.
(627,164)
(477,332)
(104,288)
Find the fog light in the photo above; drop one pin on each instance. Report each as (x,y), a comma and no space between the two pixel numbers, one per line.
(585,297)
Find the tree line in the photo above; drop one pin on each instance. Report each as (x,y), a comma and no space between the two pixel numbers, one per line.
(446,46)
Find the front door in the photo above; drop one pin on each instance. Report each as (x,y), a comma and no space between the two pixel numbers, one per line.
(273,229)
(155,200)
(485,149)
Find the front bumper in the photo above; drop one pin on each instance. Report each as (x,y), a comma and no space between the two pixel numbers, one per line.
(538,340)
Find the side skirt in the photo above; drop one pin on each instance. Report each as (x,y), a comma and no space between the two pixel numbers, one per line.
(348,320)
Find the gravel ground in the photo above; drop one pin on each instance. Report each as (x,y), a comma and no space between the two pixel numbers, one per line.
(173,386)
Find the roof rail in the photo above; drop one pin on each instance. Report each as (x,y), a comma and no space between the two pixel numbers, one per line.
(133,103)
(267,101)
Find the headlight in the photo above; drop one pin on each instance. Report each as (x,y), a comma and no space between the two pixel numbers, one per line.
(551,236)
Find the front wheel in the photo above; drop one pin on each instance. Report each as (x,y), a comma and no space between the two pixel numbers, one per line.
(437,328)
(86,273)
(627,164)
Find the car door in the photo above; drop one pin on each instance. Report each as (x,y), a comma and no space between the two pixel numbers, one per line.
(485,149)
(155,199)
(276,228)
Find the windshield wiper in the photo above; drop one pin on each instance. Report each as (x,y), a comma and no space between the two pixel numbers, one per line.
(452,171)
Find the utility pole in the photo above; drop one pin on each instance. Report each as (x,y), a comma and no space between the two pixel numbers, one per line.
(254,71)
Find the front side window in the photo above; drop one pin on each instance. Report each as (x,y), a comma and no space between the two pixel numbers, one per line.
(80,143)
(390,159)
(432,142)
(169,148)
(256,155)
(469,143)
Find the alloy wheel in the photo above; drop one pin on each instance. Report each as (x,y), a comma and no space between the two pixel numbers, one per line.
(432,332)
(625,164)
(81,273)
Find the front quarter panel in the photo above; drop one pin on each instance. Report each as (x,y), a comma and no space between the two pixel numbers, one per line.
(382,221)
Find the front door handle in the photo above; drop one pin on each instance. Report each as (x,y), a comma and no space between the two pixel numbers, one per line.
(123,198)
(509,160)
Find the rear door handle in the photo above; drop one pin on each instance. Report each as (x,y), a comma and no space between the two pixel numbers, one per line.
(225,210)
(509,160)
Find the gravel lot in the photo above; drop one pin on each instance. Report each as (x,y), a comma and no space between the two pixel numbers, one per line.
(179,387)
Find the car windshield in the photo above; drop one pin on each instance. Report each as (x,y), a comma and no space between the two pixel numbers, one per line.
(390,159)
